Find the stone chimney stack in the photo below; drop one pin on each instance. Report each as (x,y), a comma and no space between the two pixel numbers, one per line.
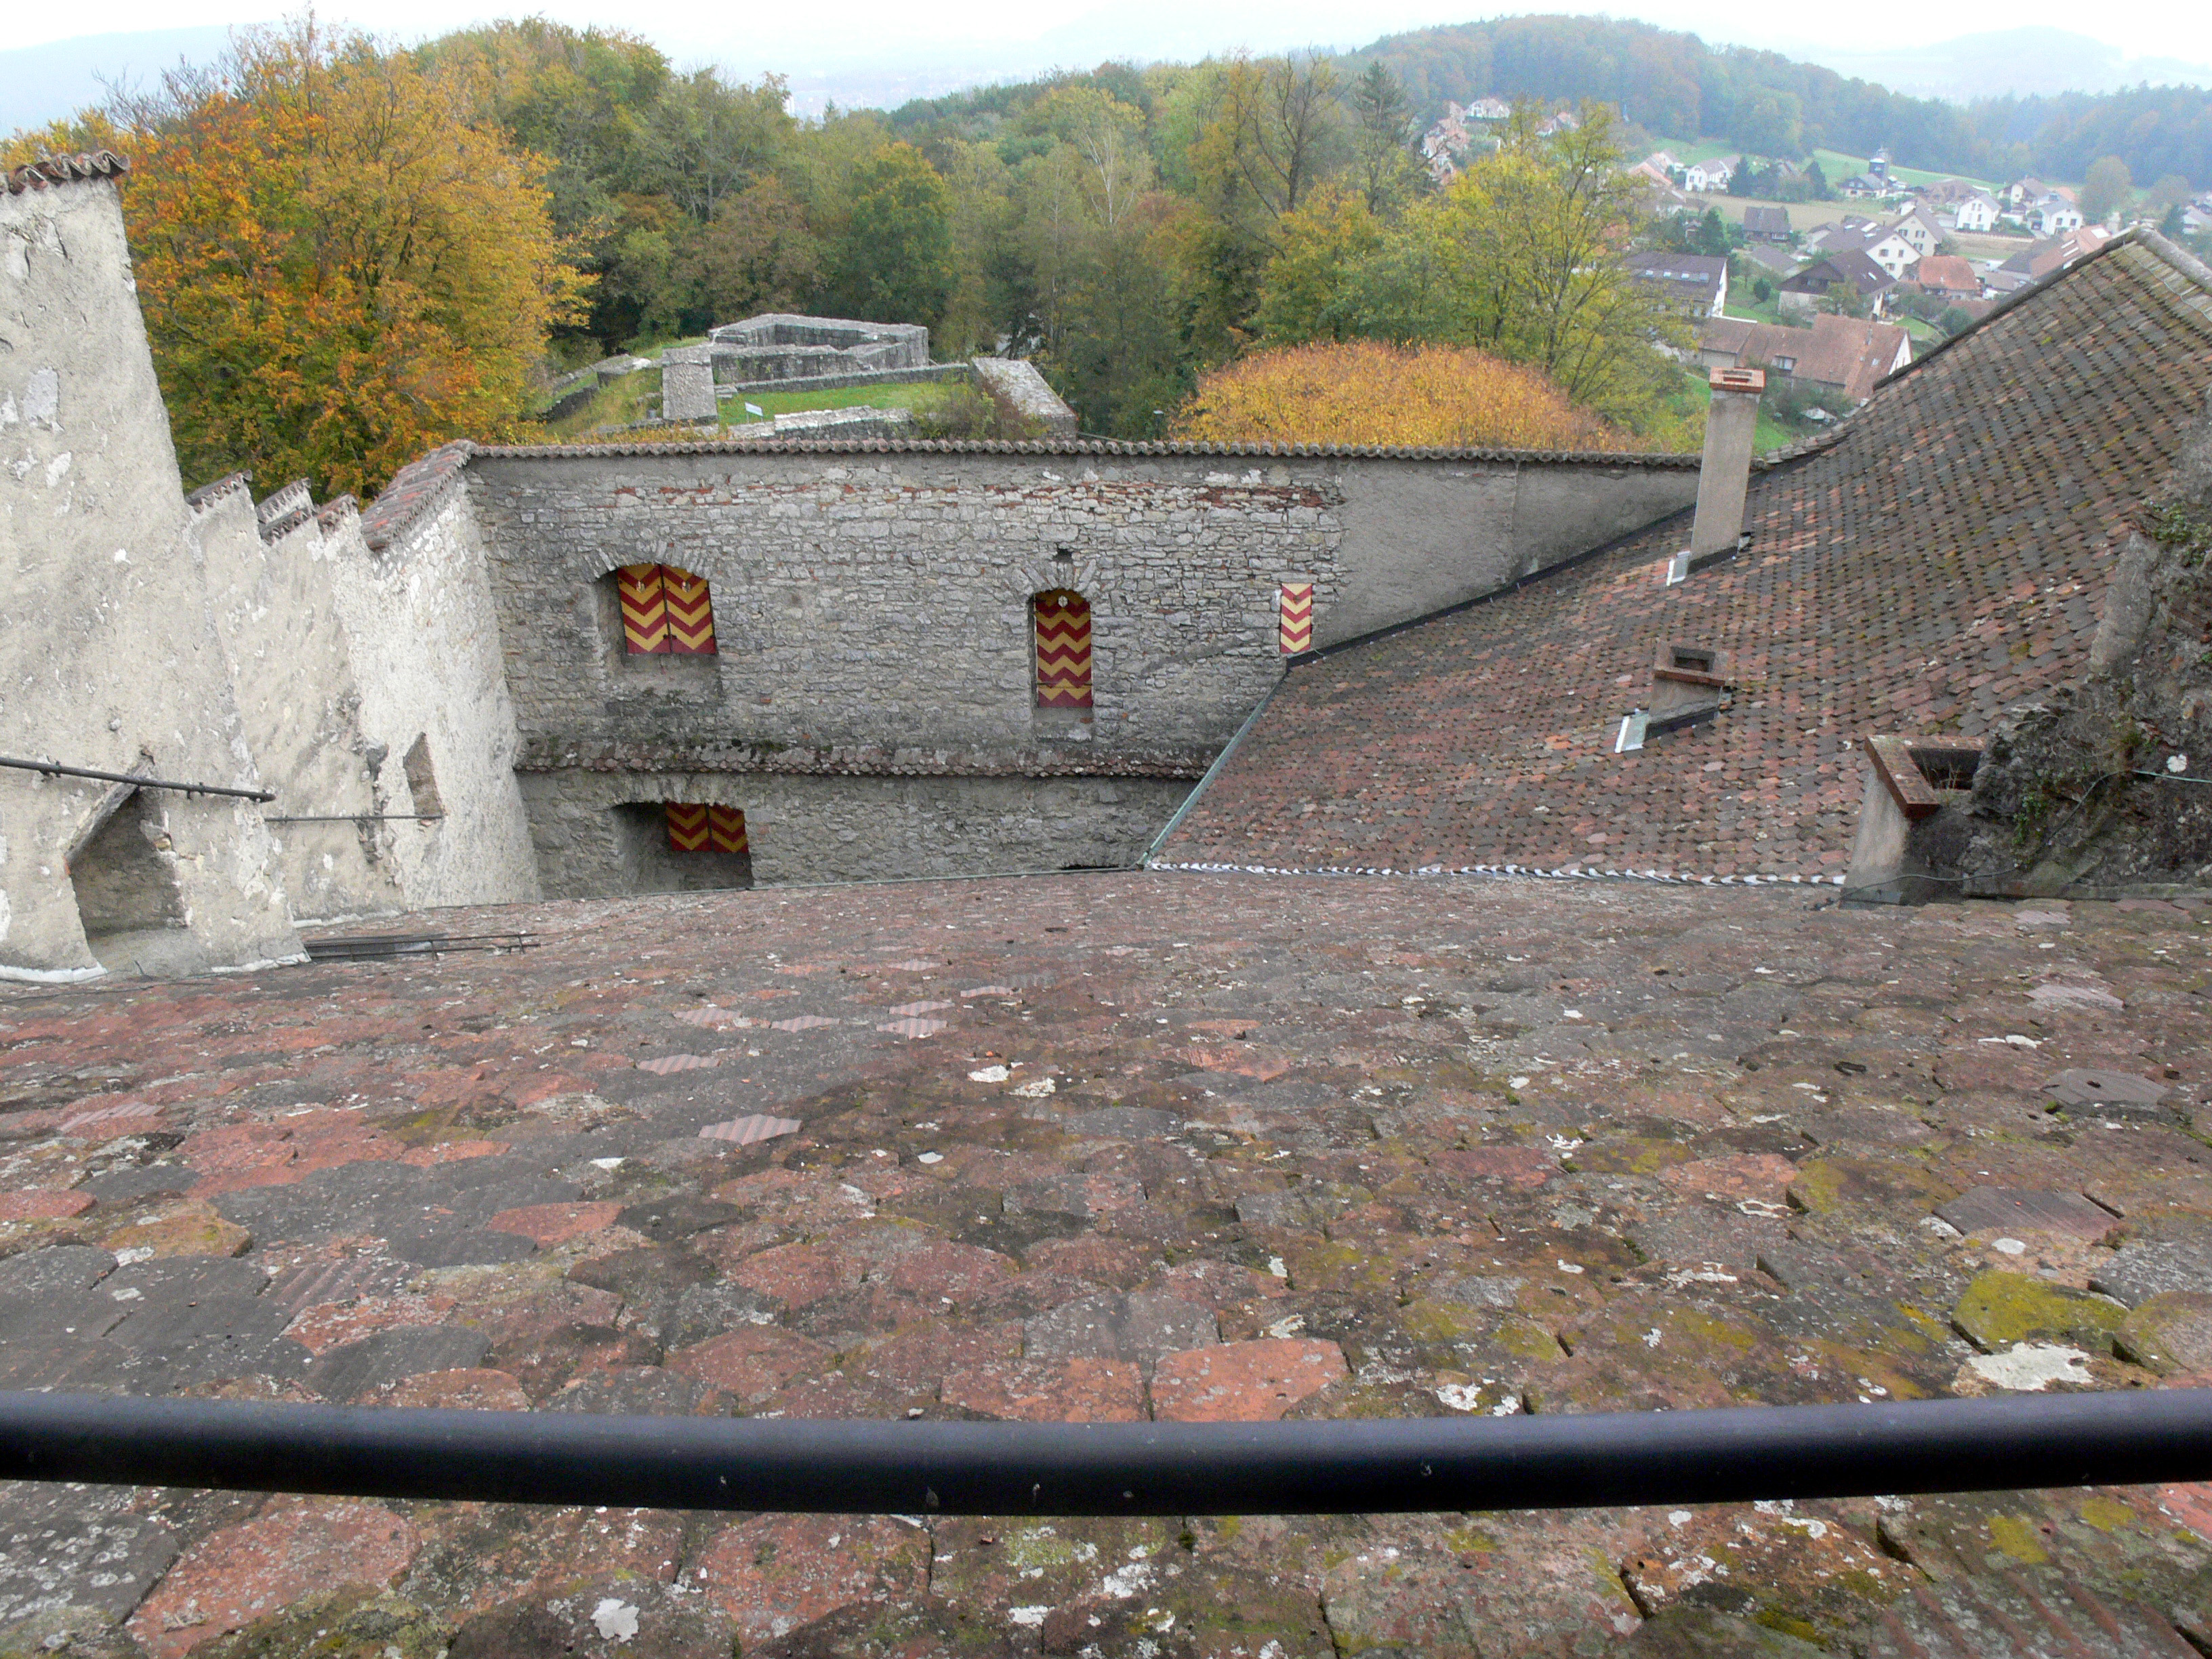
(1726,472)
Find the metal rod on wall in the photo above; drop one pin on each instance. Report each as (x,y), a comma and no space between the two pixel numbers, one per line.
(57,770)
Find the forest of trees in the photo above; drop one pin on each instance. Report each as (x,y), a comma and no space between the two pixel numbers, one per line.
(348,251)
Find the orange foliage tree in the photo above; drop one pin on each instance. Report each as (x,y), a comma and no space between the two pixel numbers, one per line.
(339,268)
(1366,392)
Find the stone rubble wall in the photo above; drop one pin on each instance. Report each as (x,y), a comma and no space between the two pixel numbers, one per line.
(109,657)
(872,615)
(2060,805)
(1028,407)
(803,829)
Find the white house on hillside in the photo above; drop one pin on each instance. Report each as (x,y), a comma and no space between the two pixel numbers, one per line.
(1920,232)
(2054,216)
(1978,212)
(1706,178)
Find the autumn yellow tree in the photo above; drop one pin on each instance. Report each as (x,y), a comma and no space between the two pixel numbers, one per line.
(1365,392)
(339,268)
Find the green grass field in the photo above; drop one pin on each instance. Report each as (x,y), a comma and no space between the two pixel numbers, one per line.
(920,395)
(628,400)
(1839,166)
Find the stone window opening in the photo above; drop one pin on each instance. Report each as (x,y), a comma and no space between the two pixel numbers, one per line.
(665,611)
(422,779)
(654,625)
(1060,624)
(680,847)
(124,874)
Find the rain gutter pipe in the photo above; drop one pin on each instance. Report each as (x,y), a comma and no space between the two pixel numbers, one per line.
(1431,1465)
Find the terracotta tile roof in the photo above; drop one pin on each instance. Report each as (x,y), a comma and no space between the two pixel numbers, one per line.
(416,489)
(51,170)
(1944,558)
(1067,447)
(1845,352)
(1946,273)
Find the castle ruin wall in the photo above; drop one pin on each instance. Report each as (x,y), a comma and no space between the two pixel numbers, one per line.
(110,659)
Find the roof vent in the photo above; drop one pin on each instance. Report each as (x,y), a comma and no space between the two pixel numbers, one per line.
(1689,684)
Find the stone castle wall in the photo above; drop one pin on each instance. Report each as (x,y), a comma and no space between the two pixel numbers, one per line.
(109,657)
(871,610)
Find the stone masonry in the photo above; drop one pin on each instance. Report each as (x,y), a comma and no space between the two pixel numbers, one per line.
(871,610)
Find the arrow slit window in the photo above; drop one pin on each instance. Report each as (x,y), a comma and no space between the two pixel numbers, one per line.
(665,611)
(1062,627)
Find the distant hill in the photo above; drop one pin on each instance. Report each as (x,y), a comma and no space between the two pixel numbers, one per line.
(1762,102)
(2022,63)
(39,84)
(1668,81)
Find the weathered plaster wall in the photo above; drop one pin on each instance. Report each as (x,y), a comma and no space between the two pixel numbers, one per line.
(419,624)
(292,673)
(109,657)
(1422,535)
(841,829)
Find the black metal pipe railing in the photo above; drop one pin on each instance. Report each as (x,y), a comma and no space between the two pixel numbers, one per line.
(1367,1466)
(56,770)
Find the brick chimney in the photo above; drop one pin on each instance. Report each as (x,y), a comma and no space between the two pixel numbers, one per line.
(1726,471)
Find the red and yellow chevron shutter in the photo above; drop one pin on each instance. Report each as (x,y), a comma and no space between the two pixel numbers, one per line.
(665,611)
(705,829)
(726,830)
(1297,606)
(1063,650)
(690,612)
(644,608)
(687,828)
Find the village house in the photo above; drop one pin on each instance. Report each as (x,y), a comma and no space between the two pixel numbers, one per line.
(2053,216)
(1711,178)
(1885,244)
(1766,224)
(1919,233)
(1946,276)
(1842,358)
(1805,290)
(1696,283)
(1976,214)
(2041,258)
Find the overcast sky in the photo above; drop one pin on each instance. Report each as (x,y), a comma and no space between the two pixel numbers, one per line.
(817,40)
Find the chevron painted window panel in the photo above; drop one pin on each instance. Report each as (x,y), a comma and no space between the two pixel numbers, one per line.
(644,609)
(1296,607)
(694,829)
(1063,650)
(665,611)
